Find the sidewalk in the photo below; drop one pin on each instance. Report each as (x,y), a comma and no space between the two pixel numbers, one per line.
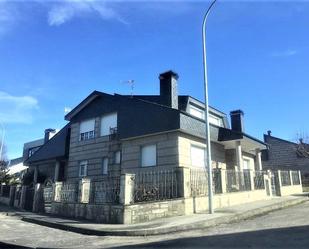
(166,225)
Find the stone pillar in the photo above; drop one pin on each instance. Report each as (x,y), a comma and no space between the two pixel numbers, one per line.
(239,159)
(12,195)
(299,175)
(258,159)
(291,177)
(183,179)
(85,190)
(1,189)
(126,189)
(38,199)
(58,189)
(252,174)
(35,175)
(279,182)
(223,180)
(23,197)
(57,170)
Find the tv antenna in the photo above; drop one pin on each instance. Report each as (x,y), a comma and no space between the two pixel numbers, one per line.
(131,83)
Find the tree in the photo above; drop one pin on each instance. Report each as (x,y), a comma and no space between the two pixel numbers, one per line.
(4,167)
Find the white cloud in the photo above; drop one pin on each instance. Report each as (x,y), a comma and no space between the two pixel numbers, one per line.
(285,53)
(61,12)
(17,109)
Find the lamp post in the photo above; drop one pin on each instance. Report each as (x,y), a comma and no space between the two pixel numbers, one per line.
(2,140)
(208,154)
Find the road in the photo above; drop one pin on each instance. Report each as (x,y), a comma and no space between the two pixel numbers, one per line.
(287,228)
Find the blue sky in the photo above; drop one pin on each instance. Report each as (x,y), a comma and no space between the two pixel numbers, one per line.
(53,54)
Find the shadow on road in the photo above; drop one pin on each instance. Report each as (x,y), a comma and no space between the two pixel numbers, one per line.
(11,246)
(290,237)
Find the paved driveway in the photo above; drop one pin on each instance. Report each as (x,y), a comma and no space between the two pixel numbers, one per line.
(288,228)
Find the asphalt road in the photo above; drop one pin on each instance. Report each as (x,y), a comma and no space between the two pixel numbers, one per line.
(288,228)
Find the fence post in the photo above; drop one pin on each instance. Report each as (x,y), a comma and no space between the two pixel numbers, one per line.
(184,188)
(12,195)
(279,181)
(126,189)
(299,175)
(38,199)
(1,189)
(251,173)
(85,190)
(291,177)
(223,180)
(58,188)
(23,197)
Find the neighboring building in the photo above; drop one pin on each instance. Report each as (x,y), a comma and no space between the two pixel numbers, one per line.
(17,169)
(112,134)
(286,155)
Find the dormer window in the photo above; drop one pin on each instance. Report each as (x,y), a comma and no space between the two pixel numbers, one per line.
(215,120)
(87,129)
(197,112)
(109,124)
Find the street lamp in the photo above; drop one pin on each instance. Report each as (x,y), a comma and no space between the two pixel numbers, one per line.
(2,140)
(208,154)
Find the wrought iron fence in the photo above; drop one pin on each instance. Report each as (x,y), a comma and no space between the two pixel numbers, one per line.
(238,180)
(6,190)
(295,177)
(155,185)
(198,182)
(216,176)
(106,190)
(259,180)
(48,194)
(69,192)
(285,178)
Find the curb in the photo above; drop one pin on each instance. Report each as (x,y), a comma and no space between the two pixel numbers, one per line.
(172,229)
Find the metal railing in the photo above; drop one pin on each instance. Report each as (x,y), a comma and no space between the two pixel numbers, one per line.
(285,178)
(238,180)
(106,190)
(69,192)
(6,190)
(198,182)
(295,178)
(153,185)
(259,179)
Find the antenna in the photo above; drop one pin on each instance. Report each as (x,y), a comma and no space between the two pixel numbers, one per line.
(131,83)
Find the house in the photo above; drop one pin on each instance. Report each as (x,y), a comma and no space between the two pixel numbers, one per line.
(286,155)
(119,153)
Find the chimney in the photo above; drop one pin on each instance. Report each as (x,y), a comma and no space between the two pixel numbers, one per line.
(269,132)
(168,89)
(49,133)
(237,120)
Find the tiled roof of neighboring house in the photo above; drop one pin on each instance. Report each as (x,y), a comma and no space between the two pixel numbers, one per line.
(55,148)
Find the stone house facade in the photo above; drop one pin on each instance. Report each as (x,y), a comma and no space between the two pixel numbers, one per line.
(159,139)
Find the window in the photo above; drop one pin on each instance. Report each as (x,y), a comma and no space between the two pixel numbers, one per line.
(108,124)
(105,166)
(215,120)
(246,164)
(149,155)
(31,151)
(198,156)
(117,157)
(196,112)
(83,168)
(87,129)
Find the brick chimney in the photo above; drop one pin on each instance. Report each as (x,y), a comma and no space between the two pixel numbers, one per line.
(49,133)
(237,120)
(168,89)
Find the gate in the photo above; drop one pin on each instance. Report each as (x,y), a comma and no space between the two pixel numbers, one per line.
(48,196)
(29,198)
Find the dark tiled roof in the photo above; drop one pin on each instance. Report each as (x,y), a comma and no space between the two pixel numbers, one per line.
(55,148)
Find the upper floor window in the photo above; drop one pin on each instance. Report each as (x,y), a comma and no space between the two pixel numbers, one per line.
(108,124)
(87,129)
(198,156)
(31,151)
(215,120)
(83,168)
(149,155)
(117,156)
(196,112)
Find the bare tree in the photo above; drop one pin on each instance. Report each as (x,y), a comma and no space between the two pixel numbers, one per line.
(301,137)
(4,167)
